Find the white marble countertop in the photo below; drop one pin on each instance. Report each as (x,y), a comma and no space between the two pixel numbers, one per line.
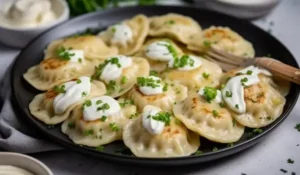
(267,157)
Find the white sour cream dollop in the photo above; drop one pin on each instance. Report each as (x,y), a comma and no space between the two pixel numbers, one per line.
(76,56)
(121,34)
(154,127)
(148,90)
(96,110)
(218,98)
(159,51)
(12,170)
(75,91)
(235,87)
(114,71)
(192,63)
(26,13)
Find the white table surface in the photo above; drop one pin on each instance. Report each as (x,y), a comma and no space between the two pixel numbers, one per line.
(267,157)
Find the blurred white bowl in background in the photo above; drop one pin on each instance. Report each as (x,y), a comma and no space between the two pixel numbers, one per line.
(25,162)
(247,9)
(20,37)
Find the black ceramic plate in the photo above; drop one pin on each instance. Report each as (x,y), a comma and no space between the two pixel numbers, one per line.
(23,93)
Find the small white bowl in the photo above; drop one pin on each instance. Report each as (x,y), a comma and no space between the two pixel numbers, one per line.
(20,37)
(25,162)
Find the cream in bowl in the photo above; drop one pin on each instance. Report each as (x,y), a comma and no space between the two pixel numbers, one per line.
(20,164)
(22,20)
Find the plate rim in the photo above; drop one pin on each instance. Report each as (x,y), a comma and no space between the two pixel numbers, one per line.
(141,160)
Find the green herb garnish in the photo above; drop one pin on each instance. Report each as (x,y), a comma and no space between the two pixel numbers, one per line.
(123,80)
(236,106)
(126,102)
(183,61)
(88,132)
(205,75)
(198,153)
(71,125)
(207,43)
(98,102)
(228,94)
(60,89)
(163,117)
(165,88)
(153,73)
(64,53)
(83,94)
(222,104)
(298,127)
(209,93)
(215,113)
(290,161)
(100,148)
(148,81)
(104,107)
(78,81)
(249,72)
(103,118)
(170,22)
(114,127)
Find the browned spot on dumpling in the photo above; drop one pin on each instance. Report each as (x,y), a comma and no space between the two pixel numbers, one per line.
(221,33)
(254,93)
(53,63)
(50,94)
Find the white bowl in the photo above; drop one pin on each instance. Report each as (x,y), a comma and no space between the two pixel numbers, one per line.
(20,37)
(25,162)
(235,8)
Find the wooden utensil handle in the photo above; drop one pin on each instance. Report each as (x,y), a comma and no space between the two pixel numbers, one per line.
(279,69)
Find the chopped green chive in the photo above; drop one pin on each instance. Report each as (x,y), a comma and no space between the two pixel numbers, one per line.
(104,107)
(222,104)
(98,102)
(123,80)
(170,22)
(230,145)
(207,43)
(80,60)
(133,116)
(63,53)
(198,153)
(59,89)
(228,94)
(126,102)
(148,81)
(165,88)
(163,117)
(78,81)
(298,127)
(114,127)
(205,75)
(215,113)
(249,72)
(215,149)
(153,73)
(71,125)
(83,94)
(236,106)
(103,118)
(209,93)
(100,148)
(88,132)
(178,122)
(290,161)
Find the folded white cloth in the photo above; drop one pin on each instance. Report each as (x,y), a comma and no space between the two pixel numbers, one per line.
(15,134)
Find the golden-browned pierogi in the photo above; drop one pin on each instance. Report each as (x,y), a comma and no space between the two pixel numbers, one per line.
(119,73)
(54,106)
(155,133)
(128,36)
(98,121)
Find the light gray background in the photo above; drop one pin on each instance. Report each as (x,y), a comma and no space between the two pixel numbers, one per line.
(267,157)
